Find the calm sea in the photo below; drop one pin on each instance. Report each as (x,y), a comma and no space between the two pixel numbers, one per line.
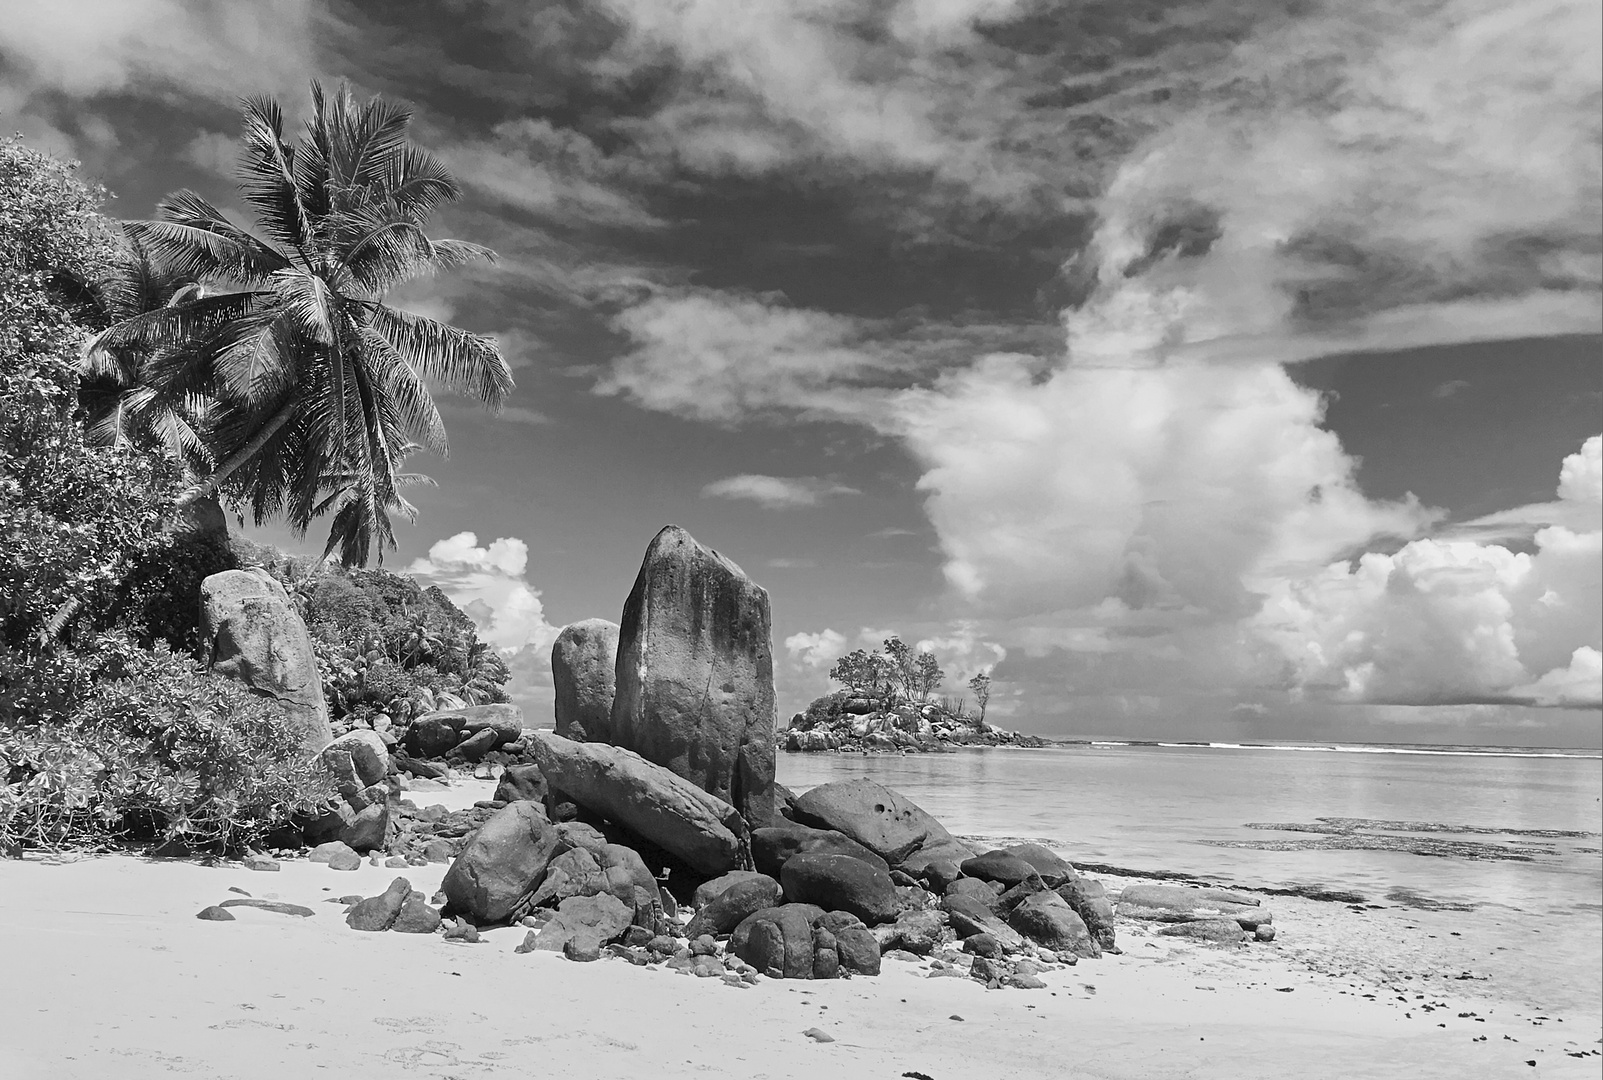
(1511,828)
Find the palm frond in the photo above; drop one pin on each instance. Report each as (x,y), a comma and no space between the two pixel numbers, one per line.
(453,357)
(267,173)
(419,416)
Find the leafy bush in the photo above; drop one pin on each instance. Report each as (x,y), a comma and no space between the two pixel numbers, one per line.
(168,751)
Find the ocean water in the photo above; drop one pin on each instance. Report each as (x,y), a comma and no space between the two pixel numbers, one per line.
(1512,829)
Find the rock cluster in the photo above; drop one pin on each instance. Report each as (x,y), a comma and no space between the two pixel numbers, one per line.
(846,721)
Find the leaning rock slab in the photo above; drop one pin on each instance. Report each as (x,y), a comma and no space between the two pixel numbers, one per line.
(501,865)
(252,633)
(584,661)
(648,799)
(695,673)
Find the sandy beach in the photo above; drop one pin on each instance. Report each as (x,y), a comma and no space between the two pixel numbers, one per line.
(111,974)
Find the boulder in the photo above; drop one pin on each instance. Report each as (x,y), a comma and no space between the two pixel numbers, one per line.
(416,917)
(1047,919)
(584,670)
(1178,903)
(356,760)
(918,932)
(430,736)
(654,803)
(505,719)
(733,905)
(378,913)
(502,865)
(695,674)
(841,883)
(1214,931)
(251,633)
(601,917)
(1000,866)
(980,891)
(887,823)
(1086,897)
(475,746)
(423,770)
(521,783)
(777,941)
(708,891)
(1052,867)
(969,917)
(367,829)
(858,951)
(322,853)
(773,846)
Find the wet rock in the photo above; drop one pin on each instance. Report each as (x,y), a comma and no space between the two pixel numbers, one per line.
(584,671)
(1086,897)
(841,883)
(695,678)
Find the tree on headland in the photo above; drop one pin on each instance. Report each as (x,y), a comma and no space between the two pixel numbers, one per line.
(927,674)
(317,389)
(980,685)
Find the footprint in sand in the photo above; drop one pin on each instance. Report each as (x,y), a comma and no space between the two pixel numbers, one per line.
(431,1055)
(427,1025)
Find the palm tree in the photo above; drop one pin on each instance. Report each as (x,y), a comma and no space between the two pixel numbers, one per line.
(318,389)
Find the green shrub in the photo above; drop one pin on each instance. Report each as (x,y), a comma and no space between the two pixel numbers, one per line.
(167,751)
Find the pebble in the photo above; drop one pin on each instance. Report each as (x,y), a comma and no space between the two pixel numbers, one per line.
(345,860)
(257,861)
(462,930)
(819,1035)
(215,914)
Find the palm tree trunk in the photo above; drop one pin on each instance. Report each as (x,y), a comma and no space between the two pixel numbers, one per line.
(209,486)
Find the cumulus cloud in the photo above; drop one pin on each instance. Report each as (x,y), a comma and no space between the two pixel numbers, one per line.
(963,653)
(723,358)
(816,650)
(206,47)
(1451,621)
(487,582)
(776,492)
(1578,508)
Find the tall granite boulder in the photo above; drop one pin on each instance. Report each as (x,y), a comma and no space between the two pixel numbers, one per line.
(584,661)
(695,674)
(253,634)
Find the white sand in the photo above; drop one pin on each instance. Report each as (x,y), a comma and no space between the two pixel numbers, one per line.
(109,974)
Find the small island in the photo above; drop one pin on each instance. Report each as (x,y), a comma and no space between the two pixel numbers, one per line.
(887,703)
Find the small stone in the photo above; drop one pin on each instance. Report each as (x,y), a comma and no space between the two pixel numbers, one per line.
(731,979)
(257,861)
(706,967)
(529,941)
(1264,932)
(396,862)
(462,930)
(345,860)
(416,917)
(1025,982)
(439,851)
(276,906)
(637,936)
(582,947)
(215,914)
(984,970)
(819,1035)
(663,945)
(705,945)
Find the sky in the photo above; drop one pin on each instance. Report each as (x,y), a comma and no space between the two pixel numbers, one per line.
(1215,370)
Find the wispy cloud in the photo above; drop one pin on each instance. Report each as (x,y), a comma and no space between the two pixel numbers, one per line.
(776,492)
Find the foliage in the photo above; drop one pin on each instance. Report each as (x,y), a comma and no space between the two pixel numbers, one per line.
(384,644)
(896,673)
(317,390)
(980,685)
(166,750)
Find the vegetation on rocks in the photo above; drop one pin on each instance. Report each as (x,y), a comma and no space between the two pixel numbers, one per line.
(887,703)
(147,367)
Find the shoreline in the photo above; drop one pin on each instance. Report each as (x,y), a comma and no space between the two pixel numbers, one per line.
(125,981)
